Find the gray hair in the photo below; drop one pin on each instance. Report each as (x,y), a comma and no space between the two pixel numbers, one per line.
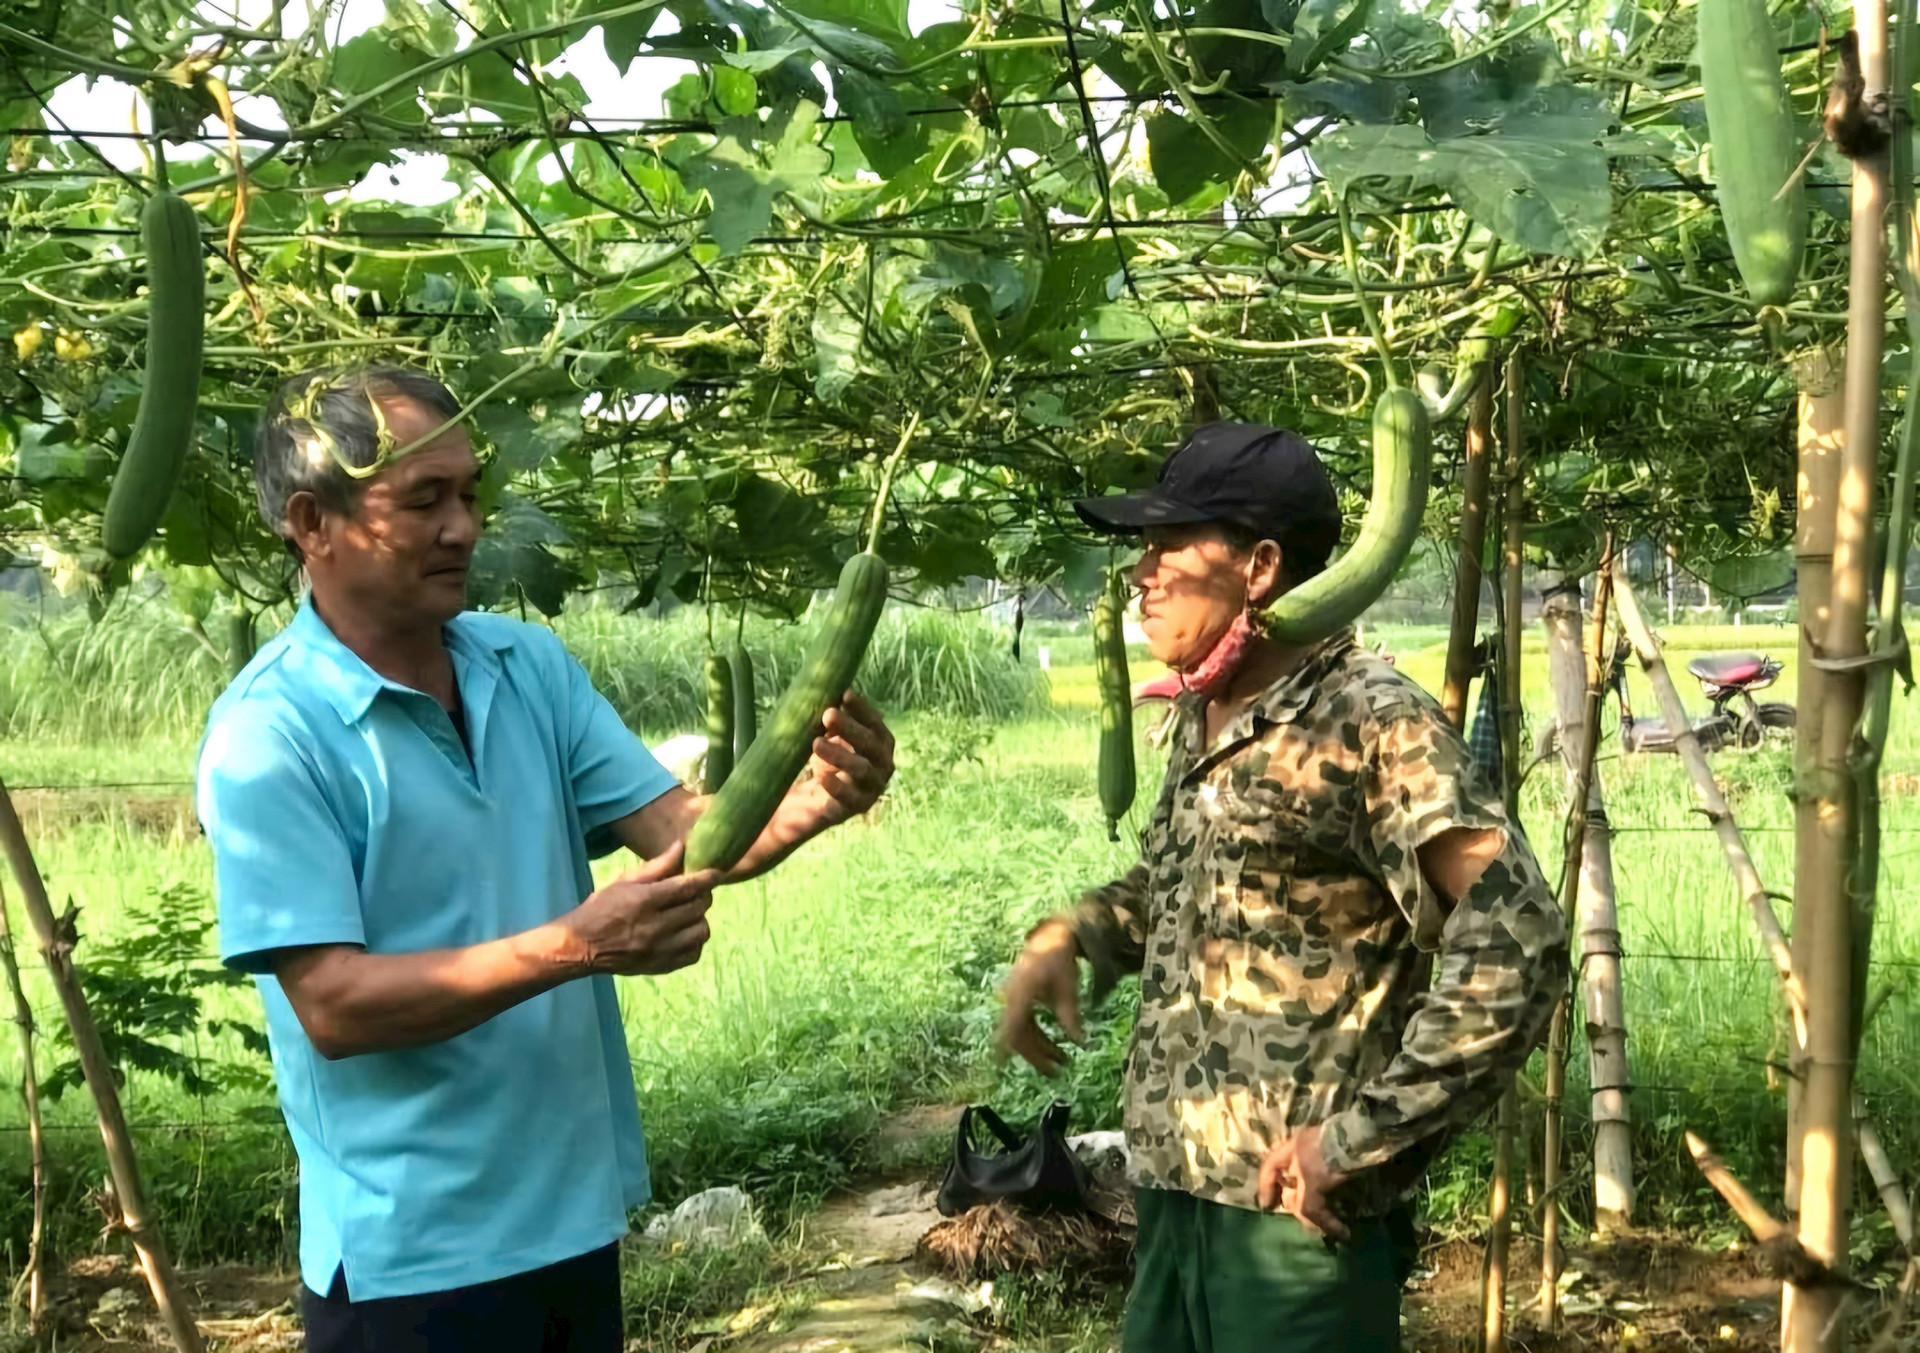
(321,421)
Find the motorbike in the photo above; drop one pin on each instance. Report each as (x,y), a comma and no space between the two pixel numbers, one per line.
(1734,719)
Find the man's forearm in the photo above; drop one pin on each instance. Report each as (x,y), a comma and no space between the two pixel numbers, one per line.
(352,1002)
(1503,966)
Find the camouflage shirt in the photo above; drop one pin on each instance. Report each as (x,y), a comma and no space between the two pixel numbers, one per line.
(1284,934)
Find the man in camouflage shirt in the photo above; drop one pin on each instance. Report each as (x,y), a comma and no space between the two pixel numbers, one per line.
(1299,1058)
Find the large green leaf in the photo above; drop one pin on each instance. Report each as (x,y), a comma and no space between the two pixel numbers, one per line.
(744,186)
(1545,190)
(516,553)
(1185,159)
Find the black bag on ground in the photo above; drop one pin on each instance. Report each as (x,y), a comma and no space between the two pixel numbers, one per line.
(1039,1172)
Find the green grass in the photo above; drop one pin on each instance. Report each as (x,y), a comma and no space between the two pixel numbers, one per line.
(142,673)
(863,976)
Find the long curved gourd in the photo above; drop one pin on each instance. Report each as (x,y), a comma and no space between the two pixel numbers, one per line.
(163,426)
(1750,126)
(1402,468)
(746,803)
(1116,774)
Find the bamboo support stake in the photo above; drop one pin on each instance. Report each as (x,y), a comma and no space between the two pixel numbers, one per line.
(34,1279)
(1579,680)
(1493,1311)
(1473,539)
(1712,802)
(1821,435)
(1584,893)
(1740,861)
(1493,1294)
(56,946)
(1817,1314)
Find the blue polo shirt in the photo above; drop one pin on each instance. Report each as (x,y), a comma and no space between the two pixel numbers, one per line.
(344,808)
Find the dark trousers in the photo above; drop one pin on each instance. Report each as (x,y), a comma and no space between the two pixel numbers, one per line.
(1209,1278)
(569,1307)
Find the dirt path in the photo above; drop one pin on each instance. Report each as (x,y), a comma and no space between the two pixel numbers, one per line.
(861,1292)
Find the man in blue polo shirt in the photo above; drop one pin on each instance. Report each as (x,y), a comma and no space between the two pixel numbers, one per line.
(400,794)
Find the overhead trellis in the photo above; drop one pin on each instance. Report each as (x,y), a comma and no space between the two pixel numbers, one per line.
(1061,231)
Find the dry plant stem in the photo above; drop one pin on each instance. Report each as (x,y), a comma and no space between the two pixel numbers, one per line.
(1765,1226)
(35,1277)
(1817,1316)
(1821,435)
(1473,539)
(1513,522)
(56,948)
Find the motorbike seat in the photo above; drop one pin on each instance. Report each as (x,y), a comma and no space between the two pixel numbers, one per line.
(1728,669)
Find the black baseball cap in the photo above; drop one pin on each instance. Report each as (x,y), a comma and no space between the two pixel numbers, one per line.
(1264,479)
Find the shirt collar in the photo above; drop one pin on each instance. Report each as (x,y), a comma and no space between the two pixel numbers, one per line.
(1282,702)
(351,686)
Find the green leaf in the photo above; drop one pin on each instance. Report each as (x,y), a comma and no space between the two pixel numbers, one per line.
(887,136)
(1547,193)
(523,442)
(744,188)
(514,553)
(735,92)
(836,344)
(880,19)
(1324,28)
(760,62)
(1185,159)
(369,61)
(773,516)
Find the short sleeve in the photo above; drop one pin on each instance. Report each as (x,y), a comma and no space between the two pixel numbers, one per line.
(283,872)
(1419,785)
(611,771)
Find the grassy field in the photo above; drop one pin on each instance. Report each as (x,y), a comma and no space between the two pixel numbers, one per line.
(861,979)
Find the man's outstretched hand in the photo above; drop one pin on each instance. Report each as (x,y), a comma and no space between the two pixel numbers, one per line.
(1046,976)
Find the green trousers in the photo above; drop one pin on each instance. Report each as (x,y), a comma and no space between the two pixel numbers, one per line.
(1209,1278)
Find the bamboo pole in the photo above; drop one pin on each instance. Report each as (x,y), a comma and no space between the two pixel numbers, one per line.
(1821,435)
(1579,680)
(1473,540)
(1493,1295)
(1713,803)
(1585,891)
(1753,891)
(34,1279)
(1816,1315)
(56,947)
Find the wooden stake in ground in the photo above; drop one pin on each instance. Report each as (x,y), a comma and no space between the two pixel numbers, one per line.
(1587,889)
(56,946)
(1493,1295)
(1473,540)
(34,1280)
(1821,436)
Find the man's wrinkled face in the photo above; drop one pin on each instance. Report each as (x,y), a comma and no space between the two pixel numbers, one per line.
(1192,585)
(405,550)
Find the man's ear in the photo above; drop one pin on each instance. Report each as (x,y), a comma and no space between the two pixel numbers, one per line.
(305,526)
(1264,573)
